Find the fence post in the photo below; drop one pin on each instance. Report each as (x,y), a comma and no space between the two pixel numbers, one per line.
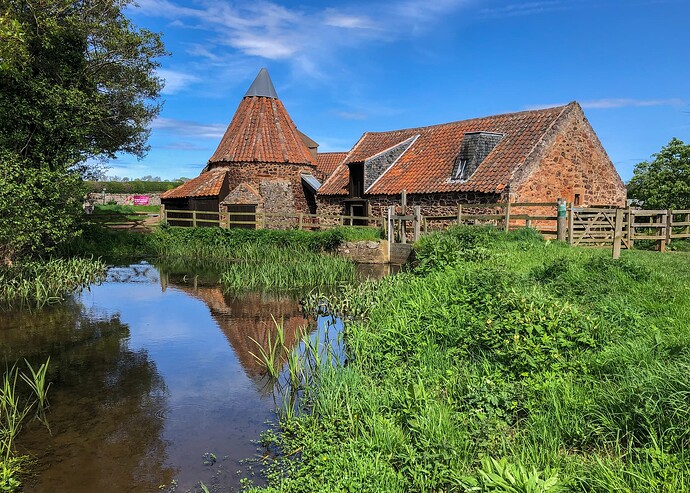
(618,234)
(299,226)
(459,214)
(561,220)
(417,222)
(194,218)
(631,228)
(661,244)
(669,222)
(506,219)
(162,216)
(571,225)
(390,229)
(403,211)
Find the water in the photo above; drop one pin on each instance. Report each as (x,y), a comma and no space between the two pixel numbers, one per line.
(151,374)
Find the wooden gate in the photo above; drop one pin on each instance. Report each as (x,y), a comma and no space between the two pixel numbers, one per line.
(597,226)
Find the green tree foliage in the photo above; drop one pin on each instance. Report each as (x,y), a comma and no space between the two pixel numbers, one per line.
(77,83)
(664,183)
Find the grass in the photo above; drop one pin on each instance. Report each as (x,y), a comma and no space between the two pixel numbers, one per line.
(125,209)
(35,283)
(515,365)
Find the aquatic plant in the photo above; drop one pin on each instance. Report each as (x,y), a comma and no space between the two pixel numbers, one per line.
(35,283)
(14,409)
(282,269)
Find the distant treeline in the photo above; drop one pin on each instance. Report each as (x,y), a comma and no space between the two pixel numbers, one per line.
(134,186)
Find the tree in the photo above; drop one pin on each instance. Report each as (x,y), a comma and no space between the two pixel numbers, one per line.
(663,183)
(77,83)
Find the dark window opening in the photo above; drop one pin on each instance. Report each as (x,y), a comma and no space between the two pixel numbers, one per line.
(357,180)
(242,216)
(576,202)
(360,210)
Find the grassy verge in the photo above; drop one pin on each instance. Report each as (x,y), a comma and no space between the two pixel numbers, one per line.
(125,209)
(503,364)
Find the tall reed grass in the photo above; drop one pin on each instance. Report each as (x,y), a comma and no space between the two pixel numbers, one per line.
(15,408)
(35,283)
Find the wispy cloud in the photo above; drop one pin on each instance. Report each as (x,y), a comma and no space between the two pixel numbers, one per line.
(611,103)
(189,128)
(268,30)
(184,146)
(526,8)
(175,81)
(351,115)
(623,102)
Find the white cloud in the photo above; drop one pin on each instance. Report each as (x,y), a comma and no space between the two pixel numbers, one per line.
(268,30)
(176,81)
(610,103)
(623,102)
(351,115)
(349,21)
(525,8)
(189,128)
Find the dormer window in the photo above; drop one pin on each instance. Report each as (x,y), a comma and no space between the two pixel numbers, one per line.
(475,147)
(461,172)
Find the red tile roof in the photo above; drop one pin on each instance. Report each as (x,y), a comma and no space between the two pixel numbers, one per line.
(207,184)
(327,162)
(427,165)
(261,131)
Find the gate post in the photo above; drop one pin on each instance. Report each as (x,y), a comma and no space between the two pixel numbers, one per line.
(561,220)
(618,234)
(417,221)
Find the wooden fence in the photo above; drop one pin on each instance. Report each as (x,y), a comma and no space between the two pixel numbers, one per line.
(539,215)
(256,220)
(590,226)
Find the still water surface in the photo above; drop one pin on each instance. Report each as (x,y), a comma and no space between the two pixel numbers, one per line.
(151,373)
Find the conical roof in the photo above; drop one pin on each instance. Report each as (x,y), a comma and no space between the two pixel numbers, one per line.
(261,130)
(262,86)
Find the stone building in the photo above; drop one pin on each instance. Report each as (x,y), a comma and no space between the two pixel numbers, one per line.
(262,163)
(530,156)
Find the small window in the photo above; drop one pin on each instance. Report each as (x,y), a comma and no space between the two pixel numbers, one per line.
(461,173)
(576,202)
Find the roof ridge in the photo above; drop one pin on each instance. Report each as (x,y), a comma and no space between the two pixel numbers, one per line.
(561,107)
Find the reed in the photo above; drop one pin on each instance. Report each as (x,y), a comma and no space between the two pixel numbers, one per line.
(14,410)
(285,271)
(35,283)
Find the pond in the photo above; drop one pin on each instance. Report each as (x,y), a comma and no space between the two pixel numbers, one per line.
(154,387)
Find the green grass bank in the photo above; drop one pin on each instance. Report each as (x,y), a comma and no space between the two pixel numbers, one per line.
(503,363)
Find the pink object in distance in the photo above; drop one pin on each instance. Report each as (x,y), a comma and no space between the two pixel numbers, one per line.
(141,200)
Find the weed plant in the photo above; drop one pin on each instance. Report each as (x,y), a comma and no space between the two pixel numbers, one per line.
(516,365)
(35,283)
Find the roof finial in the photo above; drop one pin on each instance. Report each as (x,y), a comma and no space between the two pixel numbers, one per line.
(262,86)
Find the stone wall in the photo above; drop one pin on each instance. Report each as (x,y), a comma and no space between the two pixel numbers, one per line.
(572,165)
(365,252)
(121,198)
(432,204)
(259,175)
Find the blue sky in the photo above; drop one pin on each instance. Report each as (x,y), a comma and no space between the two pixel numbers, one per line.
(343,68)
